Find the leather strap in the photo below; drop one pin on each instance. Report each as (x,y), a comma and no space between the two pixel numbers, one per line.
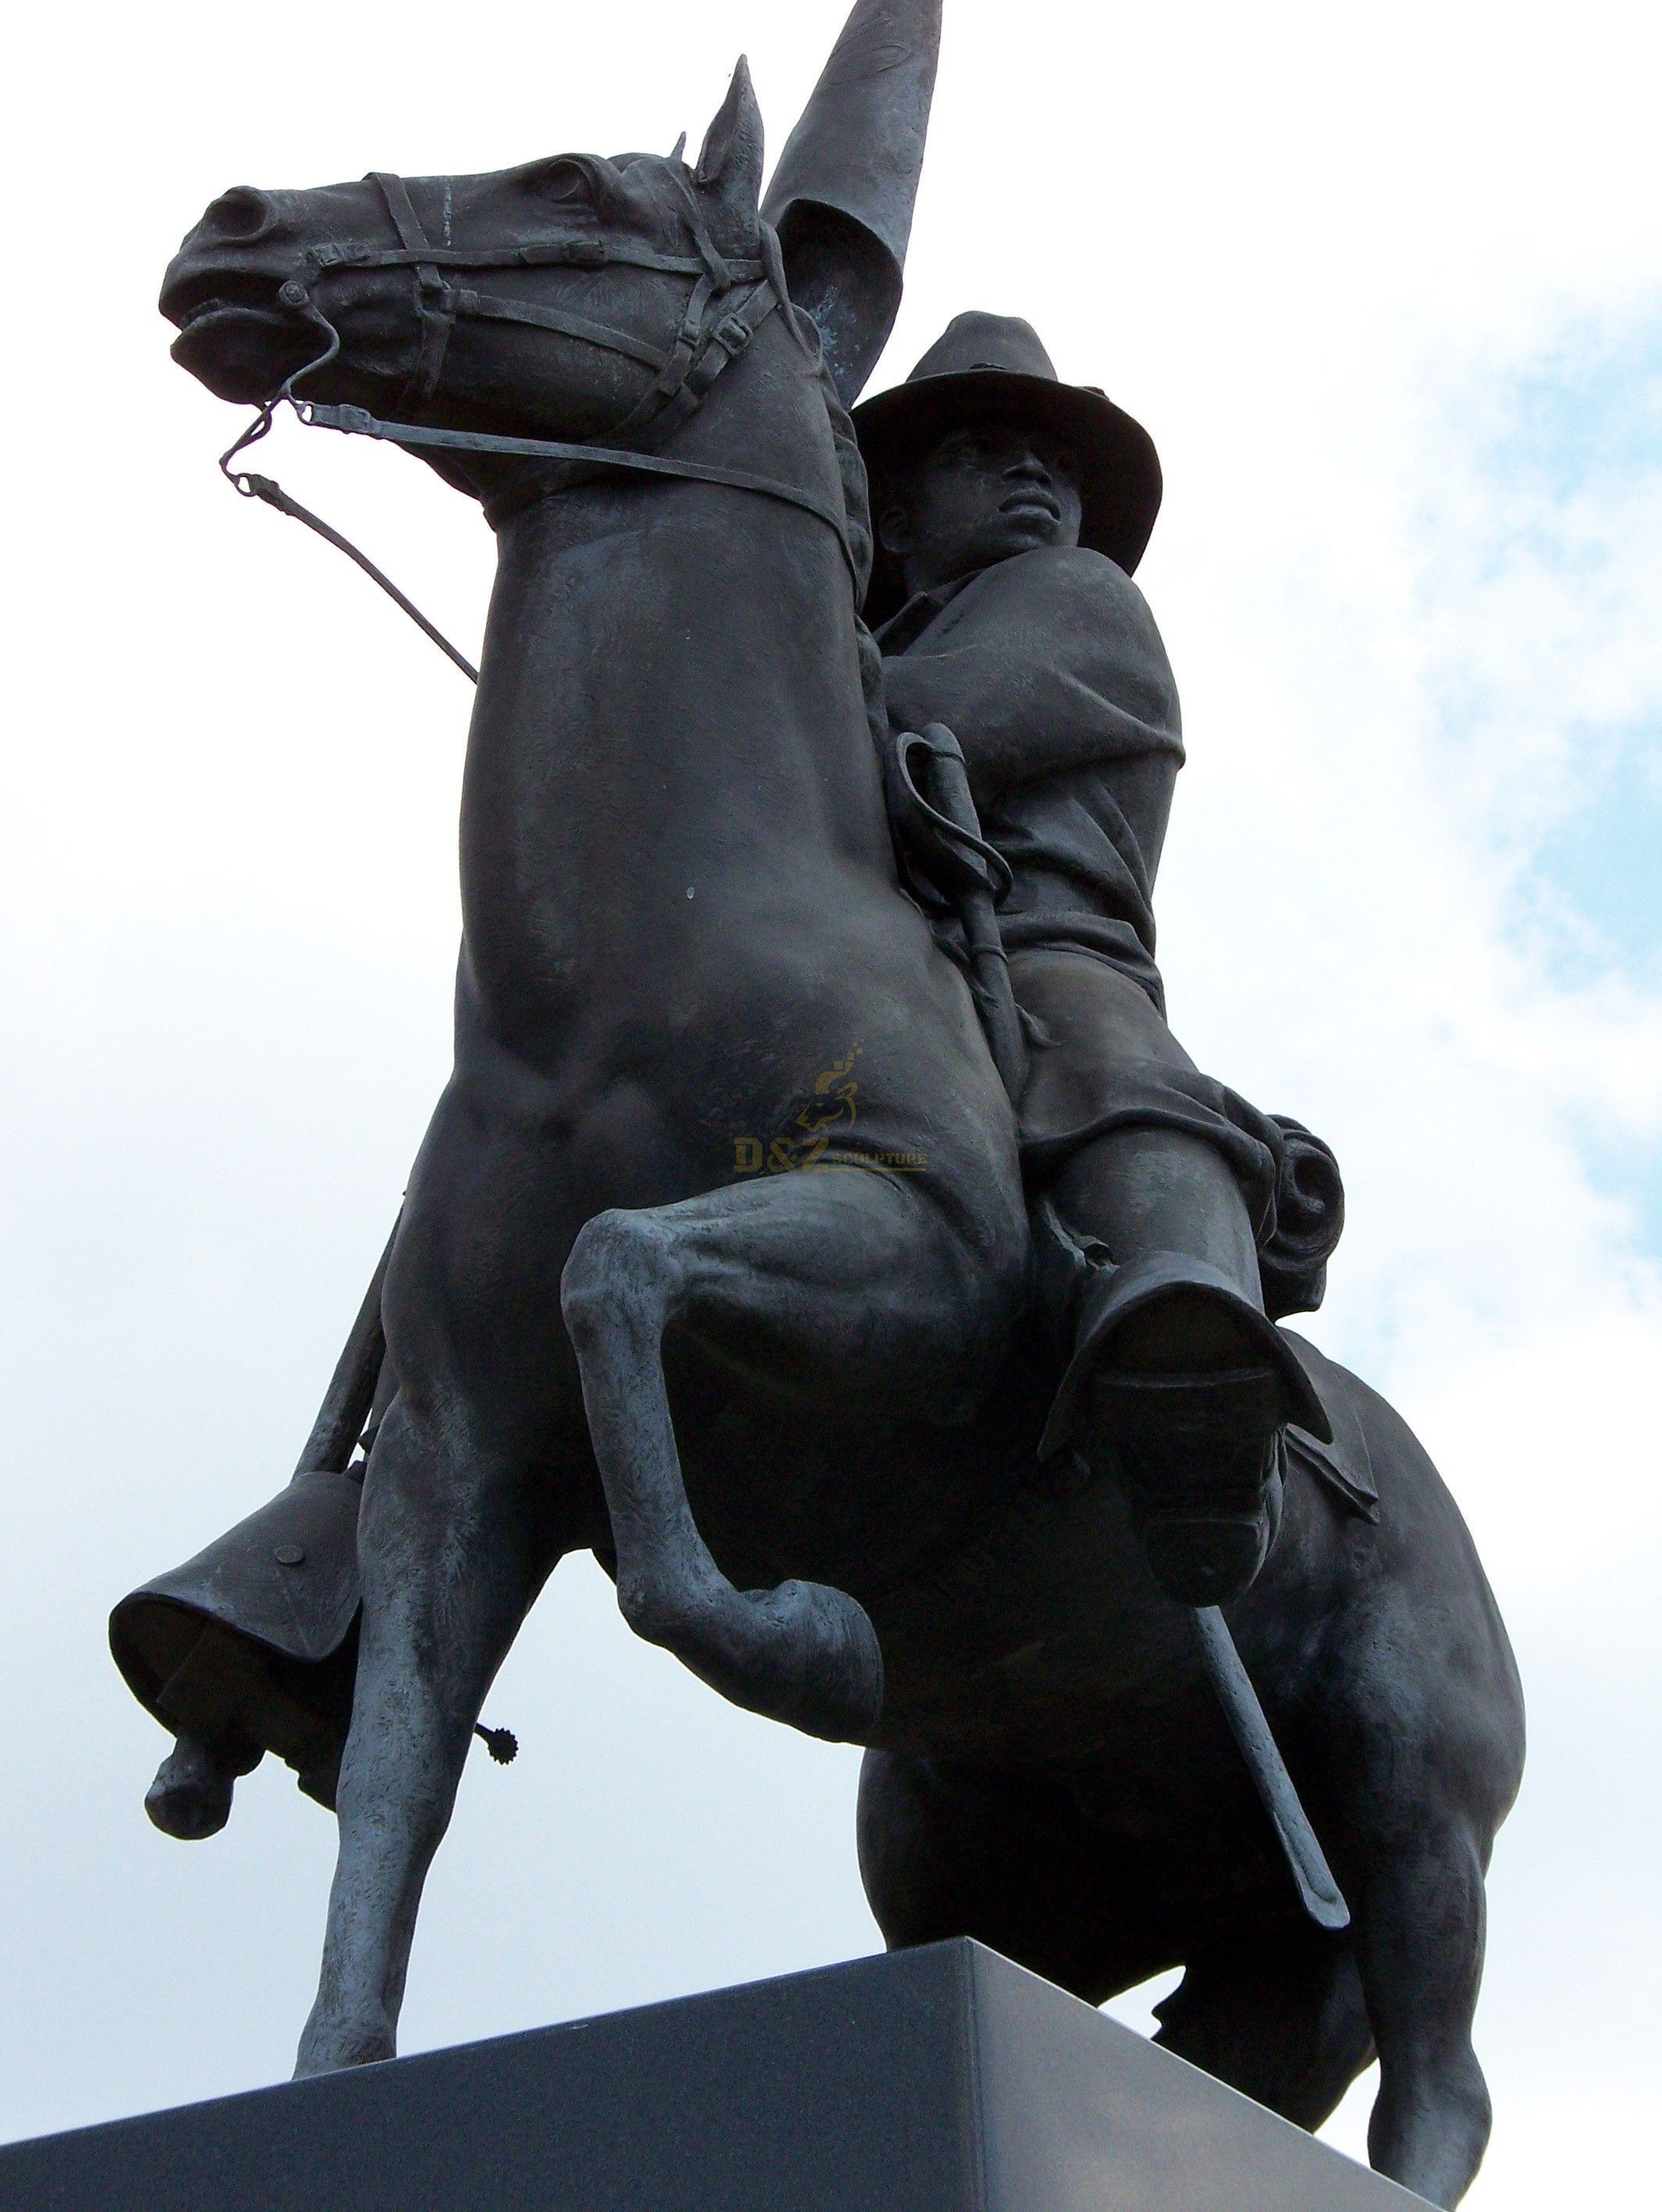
(439,305)
(684,373)
(358,423)
(487,309)
(402,209)
(433,299)
(685,370)
(564,252)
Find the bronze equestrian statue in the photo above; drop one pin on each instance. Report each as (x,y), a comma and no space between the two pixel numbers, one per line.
(716,1258)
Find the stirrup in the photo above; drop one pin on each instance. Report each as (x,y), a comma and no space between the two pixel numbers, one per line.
(1263,1386)
(1207,1557)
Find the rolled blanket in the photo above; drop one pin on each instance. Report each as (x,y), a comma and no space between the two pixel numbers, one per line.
(1309,1220)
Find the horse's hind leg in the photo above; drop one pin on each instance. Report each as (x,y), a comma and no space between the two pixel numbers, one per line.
(454,1544)
(1420,1931)
(1007,1858)
(837,1280)
(1277,2014)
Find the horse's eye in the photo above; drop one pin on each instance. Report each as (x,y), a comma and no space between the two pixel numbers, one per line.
(566,182)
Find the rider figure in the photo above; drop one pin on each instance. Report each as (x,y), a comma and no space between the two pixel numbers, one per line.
(1010,509)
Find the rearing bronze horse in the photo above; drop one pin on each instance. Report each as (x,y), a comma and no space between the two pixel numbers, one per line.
(798,1411)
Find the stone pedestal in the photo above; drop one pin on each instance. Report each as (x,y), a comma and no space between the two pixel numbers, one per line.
(942,2080)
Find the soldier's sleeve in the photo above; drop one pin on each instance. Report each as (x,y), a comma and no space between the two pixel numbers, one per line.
(1053,664)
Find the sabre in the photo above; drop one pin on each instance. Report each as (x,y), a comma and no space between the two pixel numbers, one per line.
(1319,1893)
(345,1415)
(967,870)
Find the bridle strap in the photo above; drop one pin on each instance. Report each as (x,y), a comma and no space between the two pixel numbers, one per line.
(358,423)
(684,373)
(412,236)
(438,306)
(267,488)
(433,299)
(487,309)
(562,252)
(684,384)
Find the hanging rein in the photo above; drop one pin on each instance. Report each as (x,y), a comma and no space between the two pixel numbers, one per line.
(712,334)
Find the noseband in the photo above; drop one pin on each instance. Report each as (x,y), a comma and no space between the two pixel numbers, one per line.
(711,336)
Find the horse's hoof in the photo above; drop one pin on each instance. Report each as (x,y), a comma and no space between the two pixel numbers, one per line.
(328,2046)
(190,1796)
(830,1678)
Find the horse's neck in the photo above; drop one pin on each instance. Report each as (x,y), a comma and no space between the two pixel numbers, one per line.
(651,617)
(671,688)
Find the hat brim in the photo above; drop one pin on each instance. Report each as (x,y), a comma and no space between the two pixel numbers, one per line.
(1119,479)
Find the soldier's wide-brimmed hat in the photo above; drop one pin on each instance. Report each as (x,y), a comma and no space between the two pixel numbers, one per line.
(996,365)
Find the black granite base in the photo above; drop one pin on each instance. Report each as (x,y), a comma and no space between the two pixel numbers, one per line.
(943,2079)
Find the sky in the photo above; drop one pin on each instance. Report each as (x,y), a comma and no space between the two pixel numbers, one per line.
(1386,287)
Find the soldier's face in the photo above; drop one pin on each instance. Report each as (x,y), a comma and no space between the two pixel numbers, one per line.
(988,491)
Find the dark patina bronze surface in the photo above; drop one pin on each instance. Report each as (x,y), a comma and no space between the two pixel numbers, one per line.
(915,1390)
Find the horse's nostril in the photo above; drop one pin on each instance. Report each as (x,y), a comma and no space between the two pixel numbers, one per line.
(241,213)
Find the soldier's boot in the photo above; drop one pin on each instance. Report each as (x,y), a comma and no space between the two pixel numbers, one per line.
(190,1796)
(1183,1387)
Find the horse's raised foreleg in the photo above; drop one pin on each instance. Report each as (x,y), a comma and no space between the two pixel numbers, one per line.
(453,1547)
(838,1280)
(1420,1933)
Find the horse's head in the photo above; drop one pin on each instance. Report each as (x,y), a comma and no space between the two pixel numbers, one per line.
(391,296)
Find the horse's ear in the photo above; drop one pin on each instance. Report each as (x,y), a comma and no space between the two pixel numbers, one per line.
(730,167)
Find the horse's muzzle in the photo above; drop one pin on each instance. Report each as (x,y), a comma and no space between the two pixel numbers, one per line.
(235,333)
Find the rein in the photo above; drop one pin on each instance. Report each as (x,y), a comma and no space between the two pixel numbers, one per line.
(709,339)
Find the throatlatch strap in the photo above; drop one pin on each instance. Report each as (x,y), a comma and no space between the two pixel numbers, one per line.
(680,390)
